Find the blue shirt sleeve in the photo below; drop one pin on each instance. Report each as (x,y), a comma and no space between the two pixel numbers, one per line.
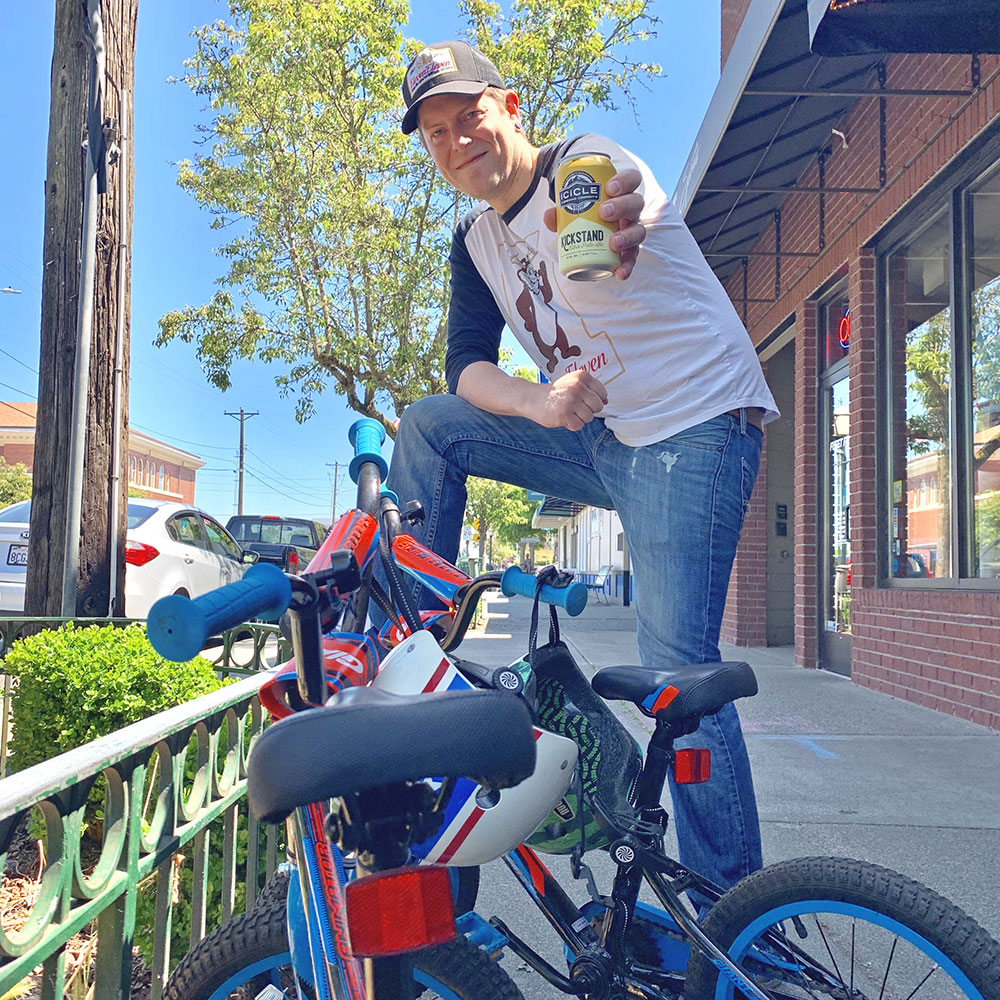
(475,322)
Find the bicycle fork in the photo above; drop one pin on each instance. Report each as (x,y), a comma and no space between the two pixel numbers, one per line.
(336,972)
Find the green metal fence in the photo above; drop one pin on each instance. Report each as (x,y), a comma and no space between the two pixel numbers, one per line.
(166,780)
(172,787)
(239,651)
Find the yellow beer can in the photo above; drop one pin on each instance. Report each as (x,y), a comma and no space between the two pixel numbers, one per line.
(584,251)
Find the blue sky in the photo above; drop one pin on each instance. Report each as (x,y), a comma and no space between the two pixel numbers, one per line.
(289,465)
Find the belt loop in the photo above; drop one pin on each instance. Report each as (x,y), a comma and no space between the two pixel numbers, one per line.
(743,421)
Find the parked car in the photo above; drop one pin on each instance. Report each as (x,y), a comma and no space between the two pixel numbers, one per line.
(14,555)
(288,542)
(170,548)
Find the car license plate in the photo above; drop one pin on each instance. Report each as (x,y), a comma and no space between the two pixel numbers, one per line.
(18,555)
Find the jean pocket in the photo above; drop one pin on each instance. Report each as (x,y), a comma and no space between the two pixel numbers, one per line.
(706,437)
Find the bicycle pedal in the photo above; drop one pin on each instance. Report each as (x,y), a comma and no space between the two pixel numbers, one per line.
(270,992)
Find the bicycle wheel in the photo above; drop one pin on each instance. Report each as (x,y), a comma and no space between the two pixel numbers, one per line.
(835,929)
(245,956)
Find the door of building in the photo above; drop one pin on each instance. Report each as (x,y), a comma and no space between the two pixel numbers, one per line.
(835,480)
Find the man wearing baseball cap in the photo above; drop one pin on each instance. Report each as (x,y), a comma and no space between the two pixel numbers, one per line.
(652,402)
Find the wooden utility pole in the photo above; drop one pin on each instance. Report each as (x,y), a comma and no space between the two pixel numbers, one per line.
(60,290)
(242,417)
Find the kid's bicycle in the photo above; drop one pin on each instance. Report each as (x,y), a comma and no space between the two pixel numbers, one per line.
(812,928)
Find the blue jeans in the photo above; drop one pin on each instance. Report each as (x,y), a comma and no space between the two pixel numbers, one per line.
(681,502)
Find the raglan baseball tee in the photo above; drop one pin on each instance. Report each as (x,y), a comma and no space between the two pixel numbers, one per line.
(667,343)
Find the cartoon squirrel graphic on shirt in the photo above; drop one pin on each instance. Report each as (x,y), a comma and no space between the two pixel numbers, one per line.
(540,319)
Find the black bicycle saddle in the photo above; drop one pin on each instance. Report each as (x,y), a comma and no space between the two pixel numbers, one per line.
(366,738)
(679,692)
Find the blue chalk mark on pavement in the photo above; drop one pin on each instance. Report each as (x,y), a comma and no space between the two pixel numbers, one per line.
(806,742)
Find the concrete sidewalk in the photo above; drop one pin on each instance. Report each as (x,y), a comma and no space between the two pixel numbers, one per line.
(838,769)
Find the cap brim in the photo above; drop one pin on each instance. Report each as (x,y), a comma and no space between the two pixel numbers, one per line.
(467,88)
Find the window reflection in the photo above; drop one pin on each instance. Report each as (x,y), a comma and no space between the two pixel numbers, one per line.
(838,615)
(984,424)
(920,322)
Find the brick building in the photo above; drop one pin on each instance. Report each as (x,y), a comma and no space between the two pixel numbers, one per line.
(157,469)
(851,207)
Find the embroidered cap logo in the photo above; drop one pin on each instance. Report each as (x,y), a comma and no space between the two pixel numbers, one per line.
(430,63)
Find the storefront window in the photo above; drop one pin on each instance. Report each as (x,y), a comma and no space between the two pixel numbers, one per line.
(919,315)
(984,422)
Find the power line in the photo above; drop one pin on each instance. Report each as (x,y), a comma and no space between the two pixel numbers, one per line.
(31,268)
(285,475)
(311,494)
(171,437)
(14,388)
(18,361)
(275,490)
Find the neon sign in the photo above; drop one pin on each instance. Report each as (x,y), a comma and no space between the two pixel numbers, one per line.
(844,330)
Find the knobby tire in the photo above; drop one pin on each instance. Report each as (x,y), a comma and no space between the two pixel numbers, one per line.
(256,943)
(874,933)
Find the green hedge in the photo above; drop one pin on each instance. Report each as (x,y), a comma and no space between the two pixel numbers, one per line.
(76,684)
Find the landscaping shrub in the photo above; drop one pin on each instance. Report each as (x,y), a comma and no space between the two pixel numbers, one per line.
(76,684)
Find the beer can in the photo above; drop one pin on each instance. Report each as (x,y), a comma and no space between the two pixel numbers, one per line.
(584,251)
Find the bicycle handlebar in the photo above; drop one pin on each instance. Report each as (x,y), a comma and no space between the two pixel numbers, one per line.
(366,436)
(573,599)
(178,626)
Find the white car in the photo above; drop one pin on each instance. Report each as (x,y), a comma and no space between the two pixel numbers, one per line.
(170,548)
(14,555)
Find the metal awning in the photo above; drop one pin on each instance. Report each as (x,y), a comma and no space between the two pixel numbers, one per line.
(553,512)
(771,117)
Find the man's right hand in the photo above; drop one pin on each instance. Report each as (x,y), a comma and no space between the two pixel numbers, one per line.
(572,401)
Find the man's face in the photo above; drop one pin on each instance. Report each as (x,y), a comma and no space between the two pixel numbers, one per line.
(475,144)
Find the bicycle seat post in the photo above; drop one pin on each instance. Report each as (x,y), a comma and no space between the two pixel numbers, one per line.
(659,758)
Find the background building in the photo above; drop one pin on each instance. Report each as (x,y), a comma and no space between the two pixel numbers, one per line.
(851,207)
(155,468)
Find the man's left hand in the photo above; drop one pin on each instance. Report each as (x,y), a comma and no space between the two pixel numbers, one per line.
(624,205)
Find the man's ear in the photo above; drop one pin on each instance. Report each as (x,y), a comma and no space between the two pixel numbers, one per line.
(513,107)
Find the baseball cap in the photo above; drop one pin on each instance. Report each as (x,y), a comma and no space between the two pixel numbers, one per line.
(445,68)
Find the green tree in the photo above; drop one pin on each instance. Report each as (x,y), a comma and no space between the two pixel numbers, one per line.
(339,225)
(15,483)
(500,508)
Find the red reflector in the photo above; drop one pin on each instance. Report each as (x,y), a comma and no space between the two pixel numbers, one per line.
(139,553)
(402,910)
(692,766)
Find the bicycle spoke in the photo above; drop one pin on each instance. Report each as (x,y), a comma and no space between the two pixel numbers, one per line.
(888,966)
(930,973)
(829,951)
(854,932)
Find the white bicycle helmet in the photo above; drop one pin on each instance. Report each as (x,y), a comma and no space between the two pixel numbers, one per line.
(480,824)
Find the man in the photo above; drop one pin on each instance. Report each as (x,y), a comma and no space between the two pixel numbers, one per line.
(653,407)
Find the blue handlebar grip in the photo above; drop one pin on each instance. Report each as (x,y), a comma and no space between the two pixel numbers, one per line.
(366,436)
(177,626)
(573,598)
